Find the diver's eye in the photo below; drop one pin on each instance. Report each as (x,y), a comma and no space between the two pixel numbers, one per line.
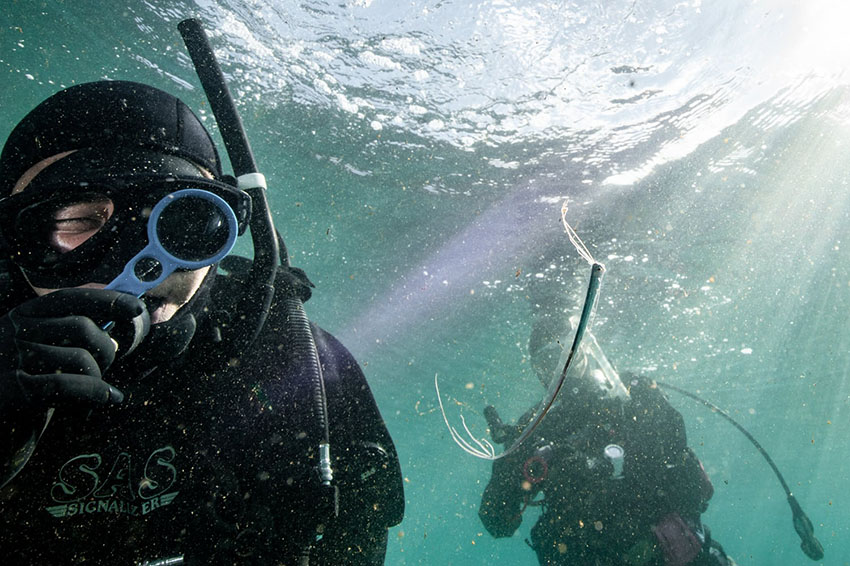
(75,223)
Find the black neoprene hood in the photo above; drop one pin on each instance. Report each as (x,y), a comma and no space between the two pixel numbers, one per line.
(106,115)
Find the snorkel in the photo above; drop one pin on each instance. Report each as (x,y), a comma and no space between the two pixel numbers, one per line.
(257,300)
(269,252)
(482,448)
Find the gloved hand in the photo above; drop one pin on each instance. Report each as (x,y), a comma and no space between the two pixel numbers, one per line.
(54,351)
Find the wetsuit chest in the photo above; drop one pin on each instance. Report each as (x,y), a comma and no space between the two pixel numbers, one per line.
(121,477)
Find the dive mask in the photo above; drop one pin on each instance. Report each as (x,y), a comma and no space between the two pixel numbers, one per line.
(66,230)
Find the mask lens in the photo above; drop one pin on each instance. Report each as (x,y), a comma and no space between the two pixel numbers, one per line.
(62,224)
(192,229)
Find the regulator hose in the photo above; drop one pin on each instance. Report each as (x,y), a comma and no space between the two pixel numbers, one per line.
(809,544)
(269,251)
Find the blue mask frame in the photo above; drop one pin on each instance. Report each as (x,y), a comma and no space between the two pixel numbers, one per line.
(128,281)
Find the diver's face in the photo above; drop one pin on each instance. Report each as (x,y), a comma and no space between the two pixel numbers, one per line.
(77,222)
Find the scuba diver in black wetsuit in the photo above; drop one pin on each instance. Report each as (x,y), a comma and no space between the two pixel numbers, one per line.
(157,441)
(610,467)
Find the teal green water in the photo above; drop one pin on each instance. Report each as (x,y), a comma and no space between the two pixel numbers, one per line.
(419,153)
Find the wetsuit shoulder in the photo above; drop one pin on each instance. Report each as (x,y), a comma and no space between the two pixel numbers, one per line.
(651,411)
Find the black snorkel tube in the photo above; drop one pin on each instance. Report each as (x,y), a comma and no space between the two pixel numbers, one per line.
(263,272)
(269,251)
(810,545)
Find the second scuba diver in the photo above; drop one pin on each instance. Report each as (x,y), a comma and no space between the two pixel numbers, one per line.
(609,466)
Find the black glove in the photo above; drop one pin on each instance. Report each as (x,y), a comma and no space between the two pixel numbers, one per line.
(54,351)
